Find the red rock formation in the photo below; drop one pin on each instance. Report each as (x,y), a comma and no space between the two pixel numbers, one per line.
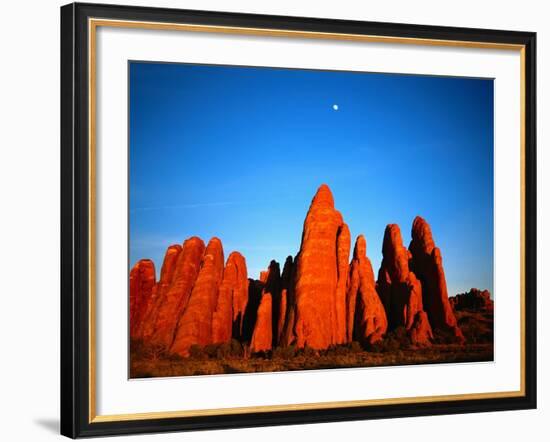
(255,289)
(288,336)
(173,302)
(475,300)
(262,338)
(319,300)
(421,331)
(286,282)
(278,338)
(316,277)
(366,316)
(399,289)
(169,266)
(195,324)
(142,284)
(240,294)
(157,300)
(233,294)
(427,264)
(274,286)
(343,245)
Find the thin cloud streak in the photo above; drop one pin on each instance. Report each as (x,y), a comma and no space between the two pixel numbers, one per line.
(186,206)
(202,205)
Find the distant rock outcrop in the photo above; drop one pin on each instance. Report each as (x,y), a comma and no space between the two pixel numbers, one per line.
(427,264)
(475,300)
(195,324)
(366,317)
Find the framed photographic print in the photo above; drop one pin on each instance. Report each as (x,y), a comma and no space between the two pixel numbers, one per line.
(273,220)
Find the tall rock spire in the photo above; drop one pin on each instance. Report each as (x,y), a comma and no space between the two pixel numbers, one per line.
(262,337)
(366,317)
(343,245)
(285,303)
(172,301)
(166,275)
(195,324)
(142,288)
(316,280)
(427,264)
(232,300)
(399,288)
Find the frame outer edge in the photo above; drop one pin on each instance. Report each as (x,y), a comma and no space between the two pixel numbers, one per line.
(75,222)
(531,219)
(69,374)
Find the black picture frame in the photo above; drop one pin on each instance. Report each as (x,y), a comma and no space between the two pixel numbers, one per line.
(75,221)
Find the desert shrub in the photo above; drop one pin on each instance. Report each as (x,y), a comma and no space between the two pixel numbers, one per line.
(223,350)
(395,340)
(477,329)
(136,346)
(284,352)
(236,348)
(262,354)
(342,350)
(174,357)
(444,337)
(335,350)
(229,369)
(212,350)
(307,352)
(197,351)
(139,350)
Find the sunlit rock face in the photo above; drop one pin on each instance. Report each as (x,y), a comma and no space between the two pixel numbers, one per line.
(400,290)
(366,316)
(316,281)
(427,263)
(174,298)
(195,324)
(232,299)
(142,288)
(262,337)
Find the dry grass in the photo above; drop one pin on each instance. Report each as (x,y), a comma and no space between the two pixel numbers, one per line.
(143,365)
(395,349)
(477,327)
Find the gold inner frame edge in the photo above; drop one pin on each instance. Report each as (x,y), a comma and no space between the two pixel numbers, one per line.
(93,24)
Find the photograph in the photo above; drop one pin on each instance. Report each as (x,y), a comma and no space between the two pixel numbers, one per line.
(284,219)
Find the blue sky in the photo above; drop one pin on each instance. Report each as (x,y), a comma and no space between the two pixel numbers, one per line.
(238,153)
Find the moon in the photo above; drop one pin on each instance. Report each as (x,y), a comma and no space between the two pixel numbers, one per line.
(335,107)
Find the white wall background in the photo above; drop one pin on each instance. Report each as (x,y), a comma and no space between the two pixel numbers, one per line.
(29,220)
